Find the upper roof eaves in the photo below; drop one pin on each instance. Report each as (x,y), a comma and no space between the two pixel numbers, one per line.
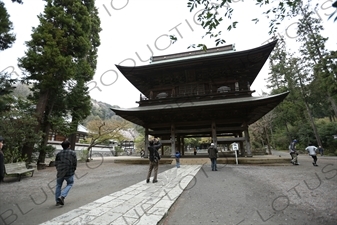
(193,54)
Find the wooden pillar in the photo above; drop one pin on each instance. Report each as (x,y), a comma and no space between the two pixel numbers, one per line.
(146,135)
(183,145)
(242,149)
(179,143)
(173,140)
(162,150)
(249,153)
(214,137)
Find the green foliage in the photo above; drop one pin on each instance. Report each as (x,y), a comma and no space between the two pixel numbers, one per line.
(13,155)
(140,138)
(6,87)
(212,14)
(48,149)
(83,155)
(60,58)
(327,130)
(6,26)
(17,127)
(309,76)
(193,142)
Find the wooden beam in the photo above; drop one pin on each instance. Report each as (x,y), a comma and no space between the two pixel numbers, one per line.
(173,140)
(225,140)
(219,130)
(197,123)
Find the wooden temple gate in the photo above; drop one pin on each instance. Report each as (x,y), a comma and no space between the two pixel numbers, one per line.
(201,94)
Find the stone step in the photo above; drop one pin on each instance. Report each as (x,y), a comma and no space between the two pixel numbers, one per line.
(201,161)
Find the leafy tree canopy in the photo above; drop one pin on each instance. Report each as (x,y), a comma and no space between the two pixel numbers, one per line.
(212,14)
(7,38)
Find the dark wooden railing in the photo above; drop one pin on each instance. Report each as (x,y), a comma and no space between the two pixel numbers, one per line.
(188,98)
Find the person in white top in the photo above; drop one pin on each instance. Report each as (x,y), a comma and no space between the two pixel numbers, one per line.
(312,152)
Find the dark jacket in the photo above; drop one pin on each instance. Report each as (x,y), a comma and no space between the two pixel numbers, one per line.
(292,147)
(212,152)
(153,151)
(66,163)
(2,166)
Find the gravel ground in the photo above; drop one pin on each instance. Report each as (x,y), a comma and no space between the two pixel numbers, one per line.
(236,194)
(242,194)
(31,201)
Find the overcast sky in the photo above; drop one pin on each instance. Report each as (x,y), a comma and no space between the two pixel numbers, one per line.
(132,29)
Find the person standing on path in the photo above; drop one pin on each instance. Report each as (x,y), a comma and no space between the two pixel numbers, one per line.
(293,153)
(154,160)
(66,163)
(213,155)
(2,161)
(177,155)
(311,149)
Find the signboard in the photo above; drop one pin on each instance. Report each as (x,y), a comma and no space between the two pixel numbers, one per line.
(235,146)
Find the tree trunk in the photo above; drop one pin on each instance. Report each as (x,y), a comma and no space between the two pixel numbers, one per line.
(288,132)
(27,151)
(41,105)
(72,140)
(44,142)
(73,135)
(268,142)
(333,104)
(318,139)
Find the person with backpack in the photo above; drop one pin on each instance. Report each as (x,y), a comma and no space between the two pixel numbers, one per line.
(177,156)
(293,153)
(154,158)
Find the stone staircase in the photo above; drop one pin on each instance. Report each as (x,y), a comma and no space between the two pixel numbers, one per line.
(203,160)
(193,161)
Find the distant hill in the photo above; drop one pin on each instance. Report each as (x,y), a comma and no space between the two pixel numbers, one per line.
(102,109)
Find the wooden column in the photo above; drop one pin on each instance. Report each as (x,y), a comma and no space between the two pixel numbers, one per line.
(173,140)
(242,149)
(146,135)
(178,144)
(162,150)
(249,153)
(183,145)
(214,137)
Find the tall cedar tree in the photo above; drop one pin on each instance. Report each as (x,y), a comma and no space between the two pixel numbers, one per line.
(320,61)
(79,101)
(316,65)
(6,26)
(61,50)
(7,39)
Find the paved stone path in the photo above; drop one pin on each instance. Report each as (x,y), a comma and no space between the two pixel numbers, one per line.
(141,203)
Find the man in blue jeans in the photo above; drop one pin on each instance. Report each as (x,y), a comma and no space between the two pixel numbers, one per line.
(66,163)
(213,155)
